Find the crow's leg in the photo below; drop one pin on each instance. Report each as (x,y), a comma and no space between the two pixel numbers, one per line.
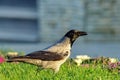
(38,69)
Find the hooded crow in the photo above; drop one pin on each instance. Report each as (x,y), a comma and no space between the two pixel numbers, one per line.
(53,56)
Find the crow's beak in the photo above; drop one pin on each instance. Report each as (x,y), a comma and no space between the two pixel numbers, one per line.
(82,33)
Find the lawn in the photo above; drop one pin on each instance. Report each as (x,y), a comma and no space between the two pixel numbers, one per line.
(68,71)
(93,69)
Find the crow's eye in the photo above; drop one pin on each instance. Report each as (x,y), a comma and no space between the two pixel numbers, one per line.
(71,34)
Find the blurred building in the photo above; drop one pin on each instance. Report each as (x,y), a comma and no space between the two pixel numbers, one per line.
(39,20)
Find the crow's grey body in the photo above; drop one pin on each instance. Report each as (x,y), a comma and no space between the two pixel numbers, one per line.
(52,57)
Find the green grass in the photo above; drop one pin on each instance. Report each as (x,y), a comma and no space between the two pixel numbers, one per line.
(22,71)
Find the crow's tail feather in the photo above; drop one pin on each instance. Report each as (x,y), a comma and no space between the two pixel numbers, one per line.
(25,59)
(18,59)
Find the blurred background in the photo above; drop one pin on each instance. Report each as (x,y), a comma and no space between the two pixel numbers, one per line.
(30,25)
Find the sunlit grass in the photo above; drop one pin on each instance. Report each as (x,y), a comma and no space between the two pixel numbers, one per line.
(97,69)
(68,71)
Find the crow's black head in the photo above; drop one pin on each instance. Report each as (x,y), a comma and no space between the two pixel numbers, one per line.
(74,34)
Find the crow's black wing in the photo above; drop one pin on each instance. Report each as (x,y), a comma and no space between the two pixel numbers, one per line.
(45,56)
